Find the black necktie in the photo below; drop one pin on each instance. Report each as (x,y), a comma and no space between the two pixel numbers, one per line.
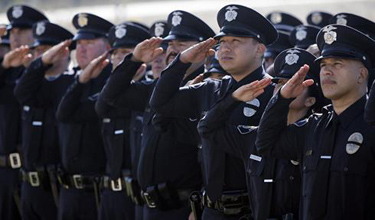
(318,203)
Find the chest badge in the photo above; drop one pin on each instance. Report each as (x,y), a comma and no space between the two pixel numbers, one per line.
(251,107)
(354,143)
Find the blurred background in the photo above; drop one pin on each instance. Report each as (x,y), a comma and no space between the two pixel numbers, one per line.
(148,11)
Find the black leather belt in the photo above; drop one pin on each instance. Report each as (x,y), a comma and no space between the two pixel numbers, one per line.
(34,178)
(230,203)
(78,181)
(12,160)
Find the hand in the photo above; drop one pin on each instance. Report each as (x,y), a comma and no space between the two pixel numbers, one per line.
(250,91)
(297,84)
(56,53)
(196,80)
(191,216)
(140,72)
(147,50)
(17,57)
(94,68)
(198,52)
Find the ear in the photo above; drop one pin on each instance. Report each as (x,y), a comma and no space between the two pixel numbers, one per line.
(363,74)
(261,49)
(310,101)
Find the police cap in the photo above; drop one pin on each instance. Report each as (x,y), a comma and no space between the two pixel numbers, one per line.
(186,26)
(240,21)
(303,36)
(127,34)
(22,16)
(346,42)
(47,33)
(283,21)
(90,26)
(318,18)
(360,23)
(160,29)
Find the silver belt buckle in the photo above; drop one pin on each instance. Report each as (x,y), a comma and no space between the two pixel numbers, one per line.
(34,179)
(116,185)
(15,160)
(77,180)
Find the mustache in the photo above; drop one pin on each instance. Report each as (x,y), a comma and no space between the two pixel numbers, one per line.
(172,54)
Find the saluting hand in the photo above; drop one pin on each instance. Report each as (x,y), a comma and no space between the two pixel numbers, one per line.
(197,79)
(147,50)
(297,84)
(252,90)
(17,57)
(56,53)
(198,52)
(94,68)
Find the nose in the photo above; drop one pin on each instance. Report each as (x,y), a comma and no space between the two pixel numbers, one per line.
(325,70)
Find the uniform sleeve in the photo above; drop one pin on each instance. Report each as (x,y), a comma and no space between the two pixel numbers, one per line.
(275,137)
(119,90)
(214,126)
(370,106)
(28,90)
(171,100)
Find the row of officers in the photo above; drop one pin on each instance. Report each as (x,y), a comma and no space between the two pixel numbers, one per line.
(267,119)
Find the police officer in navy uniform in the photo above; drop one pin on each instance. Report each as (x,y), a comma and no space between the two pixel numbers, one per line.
(274,184)
(122,157)
(168,166)
(242,45)
(40,143)
(82,150)
(21,19)
(335,148)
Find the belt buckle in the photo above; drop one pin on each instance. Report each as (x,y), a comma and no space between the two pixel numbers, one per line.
(116,185)
(150,203)
(15,160)
(77,180)
(34,179)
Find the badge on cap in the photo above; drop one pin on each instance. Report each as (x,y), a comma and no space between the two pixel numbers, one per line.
(17,11)
(329,35)
(231,14)
(40,28)
(292,57)
(159,29)
(276,18)
(316,18)
(301,33)
(354,143)
(82,20)
(176,19)
(341,20)
(120,31)
(247,111)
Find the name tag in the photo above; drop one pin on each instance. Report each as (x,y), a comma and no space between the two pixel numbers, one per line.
(37,123)
(255,157)
(119,131)
(325,157)
(268,180)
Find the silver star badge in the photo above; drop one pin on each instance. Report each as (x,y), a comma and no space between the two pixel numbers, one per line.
(17,11)
(301,33)
(341,19)
(316,18)
(40,28)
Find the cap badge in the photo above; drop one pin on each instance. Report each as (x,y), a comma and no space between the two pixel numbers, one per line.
(329,35)
(120,31)
(82,20)
(231,14)
(292,57)
(341,20)
(17,11)
(40,28)
(316,18)
(176,19)
(276,18)
(354,143)
(159,29)
(301,33)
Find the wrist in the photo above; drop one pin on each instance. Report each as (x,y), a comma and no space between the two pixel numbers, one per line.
(135,59)
(5,65)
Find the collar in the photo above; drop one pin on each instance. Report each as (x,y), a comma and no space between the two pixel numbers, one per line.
(257,74)
(347,116)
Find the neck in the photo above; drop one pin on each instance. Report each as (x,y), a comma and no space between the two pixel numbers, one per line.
(241,75)
(340,105)
(295,115)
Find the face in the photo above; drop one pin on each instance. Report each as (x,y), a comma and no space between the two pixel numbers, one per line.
(39,50)
(158,65)
(20,36)
(87,50)
(341,78)
(119,54)
(175,47)
(239,55)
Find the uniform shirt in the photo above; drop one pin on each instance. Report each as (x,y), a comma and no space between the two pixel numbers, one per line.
(190,102)
(169,145)
(80,134)
(351,185)
(273,184)
(370,106)
(10,115)
(39,98)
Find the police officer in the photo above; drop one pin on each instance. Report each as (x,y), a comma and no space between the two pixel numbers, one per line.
(121,155)
(83,157)
(168,168)
(242,45)
(21,19)
(274,184)
(335,148)
(40,144)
